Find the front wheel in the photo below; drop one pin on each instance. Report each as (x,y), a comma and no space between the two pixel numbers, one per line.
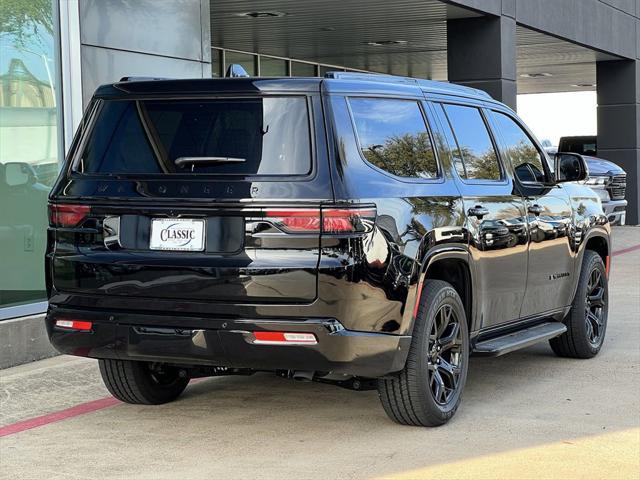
(587,321)
(428,390)
(142,382)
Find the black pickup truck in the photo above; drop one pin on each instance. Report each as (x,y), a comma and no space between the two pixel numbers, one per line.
(368,231)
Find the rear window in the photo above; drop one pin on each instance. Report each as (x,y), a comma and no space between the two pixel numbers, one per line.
(582,146)
(258,136)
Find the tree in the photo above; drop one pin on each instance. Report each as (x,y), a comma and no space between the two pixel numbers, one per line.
(22,20)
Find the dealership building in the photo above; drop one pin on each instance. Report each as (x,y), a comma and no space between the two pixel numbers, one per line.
(54,53)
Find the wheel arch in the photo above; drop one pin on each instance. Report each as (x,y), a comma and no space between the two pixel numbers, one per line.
(450,264)
(599,244)
(599,241)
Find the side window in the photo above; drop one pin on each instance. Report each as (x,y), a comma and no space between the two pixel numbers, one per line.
(393,136)
(521,151)
(479,158)
(451,145)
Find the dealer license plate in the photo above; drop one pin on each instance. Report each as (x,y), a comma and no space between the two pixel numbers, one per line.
(177,234)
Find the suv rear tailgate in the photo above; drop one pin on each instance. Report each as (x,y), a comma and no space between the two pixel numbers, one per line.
(216,166)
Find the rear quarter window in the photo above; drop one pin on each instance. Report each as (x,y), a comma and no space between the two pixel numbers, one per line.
(393,136)
(255,136)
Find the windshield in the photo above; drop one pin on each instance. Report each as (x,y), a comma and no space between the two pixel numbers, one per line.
(257,136)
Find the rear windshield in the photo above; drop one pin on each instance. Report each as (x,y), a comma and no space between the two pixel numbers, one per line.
(582,146)
(257,136)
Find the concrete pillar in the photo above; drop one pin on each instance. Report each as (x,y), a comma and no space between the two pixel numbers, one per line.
(619,123)
(481,53)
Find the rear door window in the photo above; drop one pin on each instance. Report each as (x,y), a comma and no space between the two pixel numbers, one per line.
(257,136)
(393,136)
(478,157)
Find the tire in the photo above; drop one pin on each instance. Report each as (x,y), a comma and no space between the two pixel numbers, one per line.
(587,320)
(409,396)
(141,382)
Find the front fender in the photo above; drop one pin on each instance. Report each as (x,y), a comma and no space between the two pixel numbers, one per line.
(589,222)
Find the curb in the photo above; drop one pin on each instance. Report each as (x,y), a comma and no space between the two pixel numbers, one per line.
(24,340)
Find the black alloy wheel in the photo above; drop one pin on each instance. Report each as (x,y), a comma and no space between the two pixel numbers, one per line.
(587,320)
(595,307)
(445,358)
(428,390)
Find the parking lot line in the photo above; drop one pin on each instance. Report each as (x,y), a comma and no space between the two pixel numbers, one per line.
(74,411)
(626,250)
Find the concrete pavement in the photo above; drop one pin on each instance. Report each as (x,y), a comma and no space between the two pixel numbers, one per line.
(527,415)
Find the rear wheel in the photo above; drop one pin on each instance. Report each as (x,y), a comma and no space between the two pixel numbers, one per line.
(428,390)
(587,321)
(142,382)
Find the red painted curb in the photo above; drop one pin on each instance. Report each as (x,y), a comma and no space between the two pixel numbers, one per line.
(57,416)
(626,250)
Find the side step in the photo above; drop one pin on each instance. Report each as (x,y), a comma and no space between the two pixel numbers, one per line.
(521,339)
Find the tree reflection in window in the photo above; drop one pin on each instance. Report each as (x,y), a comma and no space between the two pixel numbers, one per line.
(393,136)
(480,161)
(404,156)
(520,149)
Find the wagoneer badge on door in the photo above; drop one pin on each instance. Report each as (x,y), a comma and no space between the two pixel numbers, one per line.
(177,234)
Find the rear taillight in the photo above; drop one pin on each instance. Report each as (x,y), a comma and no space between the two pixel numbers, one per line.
(345,220)
(325,220)
(299,220)
(67,215)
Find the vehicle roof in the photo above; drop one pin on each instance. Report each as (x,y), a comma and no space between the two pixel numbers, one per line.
(334,82)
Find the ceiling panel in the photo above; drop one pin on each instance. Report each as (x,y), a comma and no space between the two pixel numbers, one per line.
(337,32)
(571,67)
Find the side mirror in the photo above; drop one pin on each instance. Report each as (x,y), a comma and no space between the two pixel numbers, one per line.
(570,167)
(17,174)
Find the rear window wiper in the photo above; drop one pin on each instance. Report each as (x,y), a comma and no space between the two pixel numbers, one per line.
(180,161)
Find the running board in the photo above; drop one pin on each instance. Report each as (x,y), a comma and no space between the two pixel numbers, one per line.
(520,339)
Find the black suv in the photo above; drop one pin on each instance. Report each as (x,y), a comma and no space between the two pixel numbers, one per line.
(364,230)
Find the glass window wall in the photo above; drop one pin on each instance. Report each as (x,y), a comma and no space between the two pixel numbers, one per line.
(28,146)
(270,66)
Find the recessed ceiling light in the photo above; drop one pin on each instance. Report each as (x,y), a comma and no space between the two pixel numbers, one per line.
(536,75)
(262,14)
(584,85)
(385,43)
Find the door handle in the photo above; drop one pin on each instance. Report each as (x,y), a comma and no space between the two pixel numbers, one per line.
(478,211)
(535,209)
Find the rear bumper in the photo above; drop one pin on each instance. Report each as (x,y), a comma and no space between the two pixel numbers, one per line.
(221,342)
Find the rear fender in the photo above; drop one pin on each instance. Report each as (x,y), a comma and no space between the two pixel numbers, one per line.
(436,254)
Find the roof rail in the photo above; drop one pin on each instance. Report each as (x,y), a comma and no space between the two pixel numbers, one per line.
(142,79)
(370,77)
(432,85)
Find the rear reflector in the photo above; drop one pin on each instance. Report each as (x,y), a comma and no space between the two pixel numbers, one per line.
(74,325)
(327,220)
(284,338)
(67,215)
